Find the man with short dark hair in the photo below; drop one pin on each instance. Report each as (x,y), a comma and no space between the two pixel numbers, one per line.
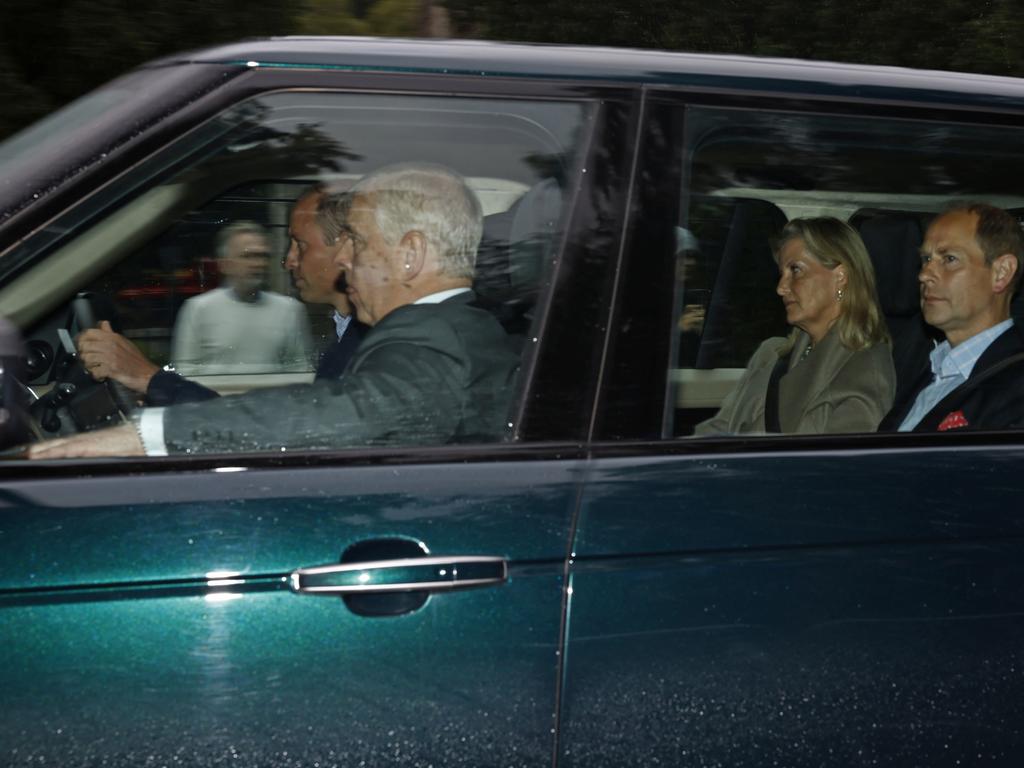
(314,240)
(971,264)
(317,230)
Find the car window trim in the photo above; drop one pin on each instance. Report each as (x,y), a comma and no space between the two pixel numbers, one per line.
(682,98)
(261,83)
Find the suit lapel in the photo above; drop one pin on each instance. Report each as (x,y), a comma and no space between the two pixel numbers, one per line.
(1007,344)
(806,380)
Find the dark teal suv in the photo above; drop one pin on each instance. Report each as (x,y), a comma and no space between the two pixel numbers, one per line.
(597,589)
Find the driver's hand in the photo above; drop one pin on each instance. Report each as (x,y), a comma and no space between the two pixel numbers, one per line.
(108,355)
(122,440)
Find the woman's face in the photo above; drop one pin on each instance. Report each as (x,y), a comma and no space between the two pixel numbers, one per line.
(809,289)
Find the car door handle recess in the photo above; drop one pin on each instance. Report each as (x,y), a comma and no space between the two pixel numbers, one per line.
(434,574)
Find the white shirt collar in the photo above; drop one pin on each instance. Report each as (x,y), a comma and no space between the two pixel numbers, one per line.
(961,359)
(437,298)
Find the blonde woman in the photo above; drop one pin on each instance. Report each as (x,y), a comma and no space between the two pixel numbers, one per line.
(834,372)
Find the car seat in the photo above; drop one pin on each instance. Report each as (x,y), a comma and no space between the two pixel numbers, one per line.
(893,240)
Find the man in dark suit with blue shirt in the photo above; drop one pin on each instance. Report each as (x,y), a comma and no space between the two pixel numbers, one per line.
(317,233)
(314,241)
(971,264)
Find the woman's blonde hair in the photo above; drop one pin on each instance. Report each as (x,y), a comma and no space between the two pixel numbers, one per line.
(833,242)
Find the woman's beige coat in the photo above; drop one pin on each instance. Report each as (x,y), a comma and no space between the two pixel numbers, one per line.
(833,390)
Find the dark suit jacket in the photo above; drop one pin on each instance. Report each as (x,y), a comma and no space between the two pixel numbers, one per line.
(336,356)
(996,403)
(167,388)
(425,374)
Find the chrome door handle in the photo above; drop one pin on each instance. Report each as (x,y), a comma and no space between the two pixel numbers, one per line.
(430,574)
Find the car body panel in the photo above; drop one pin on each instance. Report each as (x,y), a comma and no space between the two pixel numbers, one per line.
(808,608)
(657,68)
(174,593)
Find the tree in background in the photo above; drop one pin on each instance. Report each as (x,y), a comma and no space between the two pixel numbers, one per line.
(53,52)
(962,35)
(390,18)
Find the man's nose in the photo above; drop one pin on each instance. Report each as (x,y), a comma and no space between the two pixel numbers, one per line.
(291,259)
(343,257)
(927,271)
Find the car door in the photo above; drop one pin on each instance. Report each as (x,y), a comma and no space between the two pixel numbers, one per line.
(784,599)
(149,613)
(349,607)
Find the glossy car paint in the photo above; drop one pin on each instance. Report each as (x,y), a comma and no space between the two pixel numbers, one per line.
(851,608)
(794,602)
(129,638)
(148,618)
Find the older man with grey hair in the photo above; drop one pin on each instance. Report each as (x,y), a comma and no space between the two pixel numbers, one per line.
(434,368)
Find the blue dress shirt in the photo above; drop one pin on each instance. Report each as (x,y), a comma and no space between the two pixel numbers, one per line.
(951,367)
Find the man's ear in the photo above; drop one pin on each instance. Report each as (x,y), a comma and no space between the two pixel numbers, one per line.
(412,252)
(1003,269)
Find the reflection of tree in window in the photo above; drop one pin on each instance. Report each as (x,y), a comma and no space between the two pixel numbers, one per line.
(854,154)
(255,150)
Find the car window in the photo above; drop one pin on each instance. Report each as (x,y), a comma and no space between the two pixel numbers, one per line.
(751,172)
(152,251)
(701,296)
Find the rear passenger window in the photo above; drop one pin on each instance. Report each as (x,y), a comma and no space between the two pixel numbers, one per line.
(744,174)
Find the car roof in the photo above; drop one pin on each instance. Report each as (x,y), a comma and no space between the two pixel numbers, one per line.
(564,62)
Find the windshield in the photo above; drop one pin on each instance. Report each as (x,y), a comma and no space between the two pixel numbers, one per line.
(60,145)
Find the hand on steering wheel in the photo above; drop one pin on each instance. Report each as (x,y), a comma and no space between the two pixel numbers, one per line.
(109,356)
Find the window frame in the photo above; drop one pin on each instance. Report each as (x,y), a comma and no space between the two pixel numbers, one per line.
(634,411)
(573,308)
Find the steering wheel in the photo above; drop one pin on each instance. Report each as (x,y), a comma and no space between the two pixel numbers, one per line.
(76,402)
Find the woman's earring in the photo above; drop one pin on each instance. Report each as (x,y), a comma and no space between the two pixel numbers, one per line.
(839,294)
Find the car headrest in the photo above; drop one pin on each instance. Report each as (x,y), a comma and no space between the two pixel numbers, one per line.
(514,250)
(737,233)
(893,241)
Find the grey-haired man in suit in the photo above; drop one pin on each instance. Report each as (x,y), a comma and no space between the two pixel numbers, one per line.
(434,368)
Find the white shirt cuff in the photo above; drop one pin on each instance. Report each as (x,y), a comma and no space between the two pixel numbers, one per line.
(150,425)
